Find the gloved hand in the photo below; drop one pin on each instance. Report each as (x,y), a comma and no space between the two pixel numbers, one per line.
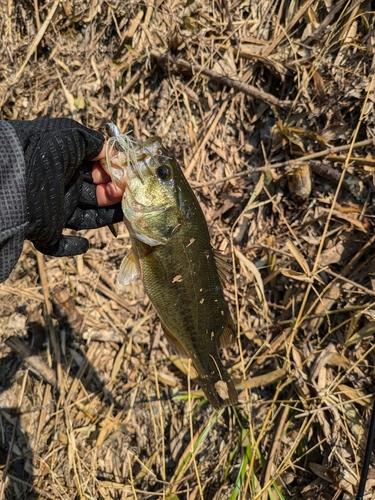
(59,186)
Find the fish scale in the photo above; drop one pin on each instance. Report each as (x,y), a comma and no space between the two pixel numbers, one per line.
(199,325)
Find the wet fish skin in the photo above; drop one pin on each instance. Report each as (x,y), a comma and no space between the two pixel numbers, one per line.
(171,246)
(182,283)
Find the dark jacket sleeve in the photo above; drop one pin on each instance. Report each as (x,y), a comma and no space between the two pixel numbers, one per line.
(13,219)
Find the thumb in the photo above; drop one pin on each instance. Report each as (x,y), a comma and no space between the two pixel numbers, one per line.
(67,246)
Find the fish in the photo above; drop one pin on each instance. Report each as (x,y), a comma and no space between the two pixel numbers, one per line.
(171,252)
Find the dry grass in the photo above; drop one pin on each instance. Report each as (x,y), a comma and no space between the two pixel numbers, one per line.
(256,99)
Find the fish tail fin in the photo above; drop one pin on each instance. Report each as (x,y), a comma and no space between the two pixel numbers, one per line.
(213,378)
(215,381)
(219,392)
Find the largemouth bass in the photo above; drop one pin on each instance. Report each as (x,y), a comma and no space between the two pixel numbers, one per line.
(172,254)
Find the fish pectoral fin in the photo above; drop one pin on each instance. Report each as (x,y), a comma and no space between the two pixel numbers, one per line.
(229,335)
(224,269)
(129,269)
(176,345)
(114,229)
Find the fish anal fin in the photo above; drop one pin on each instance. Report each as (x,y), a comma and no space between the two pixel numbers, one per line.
(185,366)
(229,335)
(129,269)
(224,269)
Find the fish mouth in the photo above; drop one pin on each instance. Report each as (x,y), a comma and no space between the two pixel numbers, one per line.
(135,156)
(130,147)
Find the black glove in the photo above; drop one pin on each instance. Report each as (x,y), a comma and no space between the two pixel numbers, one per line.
(59,188)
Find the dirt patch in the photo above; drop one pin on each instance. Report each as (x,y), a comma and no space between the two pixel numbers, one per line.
(269,108)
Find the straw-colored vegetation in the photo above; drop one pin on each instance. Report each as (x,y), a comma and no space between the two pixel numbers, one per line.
(269,107)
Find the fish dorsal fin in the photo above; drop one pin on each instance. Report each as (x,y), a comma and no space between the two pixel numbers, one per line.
(229,335)
(224,269)
(177,346)
(129,269)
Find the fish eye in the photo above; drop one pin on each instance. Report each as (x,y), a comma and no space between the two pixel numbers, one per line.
(163,172)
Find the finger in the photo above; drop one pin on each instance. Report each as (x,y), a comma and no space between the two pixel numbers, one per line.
(94,218)
(101,195)
(88,196)
(99,175)
(66,246)
(108,194)
(102,153)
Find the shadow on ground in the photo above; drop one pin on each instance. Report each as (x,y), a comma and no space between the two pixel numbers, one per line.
(19,423)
